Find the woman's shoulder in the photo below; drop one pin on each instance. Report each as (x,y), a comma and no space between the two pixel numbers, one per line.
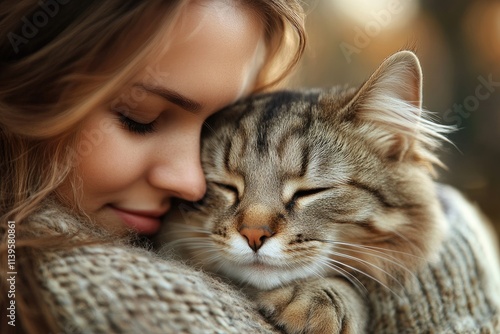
(466,222)
(458,291)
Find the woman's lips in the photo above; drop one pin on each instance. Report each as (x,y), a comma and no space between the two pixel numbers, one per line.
(143,222)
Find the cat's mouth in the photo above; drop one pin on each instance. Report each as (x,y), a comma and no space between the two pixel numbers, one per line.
(259,263)
(262,264)
(264,274)
(271,267)
(259,260)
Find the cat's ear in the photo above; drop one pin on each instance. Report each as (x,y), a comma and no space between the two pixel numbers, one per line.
(389,106)
(399,77)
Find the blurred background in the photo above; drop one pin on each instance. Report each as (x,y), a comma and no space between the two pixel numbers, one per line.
(458,44)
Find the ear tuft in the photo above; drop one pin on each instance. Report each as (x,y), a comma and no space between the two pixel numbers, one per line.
(389,105)
(400,76)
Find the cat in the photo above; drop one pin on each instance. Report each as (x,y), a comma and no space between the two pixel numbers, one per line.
(308,190)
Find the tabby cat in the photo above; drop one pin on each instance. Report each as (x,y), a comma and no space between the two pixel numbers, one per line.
(309,190)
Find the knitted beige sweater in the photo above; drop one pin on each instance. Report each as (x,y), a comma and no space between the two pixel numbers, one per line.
(121,289)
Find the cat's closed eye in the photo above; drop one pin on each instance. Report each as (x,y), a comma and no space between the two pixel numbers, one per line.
(307,192)
(227,187)
(302,194)
(229,190)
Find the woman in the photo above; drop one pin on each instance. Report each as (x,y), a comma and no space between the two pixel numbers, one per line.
(102,104)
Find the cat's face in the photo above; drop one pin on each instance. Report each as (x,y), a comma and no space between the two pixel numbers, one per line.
(314,182)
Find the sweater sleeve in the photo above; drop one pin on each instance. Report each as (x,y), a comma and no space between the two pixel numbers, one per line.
(458,293)
(118,288)
(112,289)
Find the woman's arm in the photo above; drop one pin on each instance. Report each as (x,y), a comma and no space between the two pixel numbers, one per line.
(112,289)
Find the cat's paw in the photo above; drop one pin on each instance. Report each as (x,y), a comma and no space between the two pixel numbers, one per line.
(315,306)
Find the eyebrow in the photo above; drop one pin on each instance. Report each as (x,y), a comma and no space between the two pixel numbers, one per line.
(171,96)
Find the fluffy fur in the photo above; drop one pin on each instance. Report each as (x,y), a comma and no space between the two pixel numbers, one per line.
(318,183)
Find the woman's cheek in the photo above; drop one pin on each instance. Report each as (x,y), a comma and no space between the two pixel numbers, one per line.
(112,164)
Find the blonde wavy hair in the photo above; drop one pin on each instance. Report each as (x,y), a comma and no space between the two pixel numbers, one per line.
(54,71)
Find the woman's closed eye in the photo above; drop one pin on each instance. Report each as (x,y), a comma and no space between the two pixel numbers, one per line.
(135,126)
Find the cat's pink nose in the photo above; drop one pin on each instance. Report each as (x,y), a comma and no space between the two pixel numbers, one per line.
(256,236)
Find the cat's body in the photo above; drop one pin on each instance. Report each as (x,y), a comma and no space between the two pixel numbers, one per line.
(308,190)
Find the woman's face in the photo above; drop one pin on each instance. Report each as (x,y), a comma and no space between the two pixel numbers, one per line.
(141,150)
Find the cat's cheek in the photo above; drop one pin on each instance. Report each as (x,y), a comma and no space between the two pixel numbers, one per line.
(390,221)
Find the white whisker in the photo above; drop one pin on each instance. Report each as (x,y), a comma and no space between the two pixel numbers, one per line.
(381,250)
(184,228)
(350,277)
(385,258)
(410,242)
(367,275)
(369,264)
(189,242)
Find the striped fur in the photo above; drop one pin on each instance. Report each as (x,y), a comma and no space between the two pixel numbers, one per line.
(340,179)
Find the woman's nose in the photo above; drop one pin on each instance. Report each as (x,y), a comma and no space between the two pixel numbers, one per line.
(182,175)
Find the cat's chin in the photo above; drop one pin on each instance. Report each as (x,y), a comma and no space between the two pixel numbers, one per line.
(267,277)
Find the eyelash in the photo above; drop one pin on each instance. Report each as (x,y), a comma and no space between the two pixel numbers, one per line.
(136,127)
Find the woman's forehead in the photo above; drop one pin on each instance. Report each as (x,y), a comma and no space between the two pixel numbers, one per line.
(214,53)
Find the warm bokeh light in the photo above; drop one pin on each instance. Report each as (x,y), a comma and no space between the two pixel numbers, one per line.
(482,30)
(377,14)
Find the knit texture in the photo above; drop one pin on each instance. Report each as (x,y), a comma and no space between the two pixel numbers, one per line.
(118,288)
(458,293)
